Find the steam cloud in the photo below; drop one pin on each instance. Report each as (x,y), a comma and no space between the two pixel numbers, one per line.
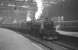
(40,8)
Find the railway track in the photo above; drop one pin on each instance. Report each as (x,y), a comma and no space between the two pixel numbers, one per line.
(51,45)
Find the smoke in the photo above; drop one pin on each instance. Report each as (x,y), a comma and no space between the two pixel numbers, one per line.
(28,16)
(40,8)
(41,4)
